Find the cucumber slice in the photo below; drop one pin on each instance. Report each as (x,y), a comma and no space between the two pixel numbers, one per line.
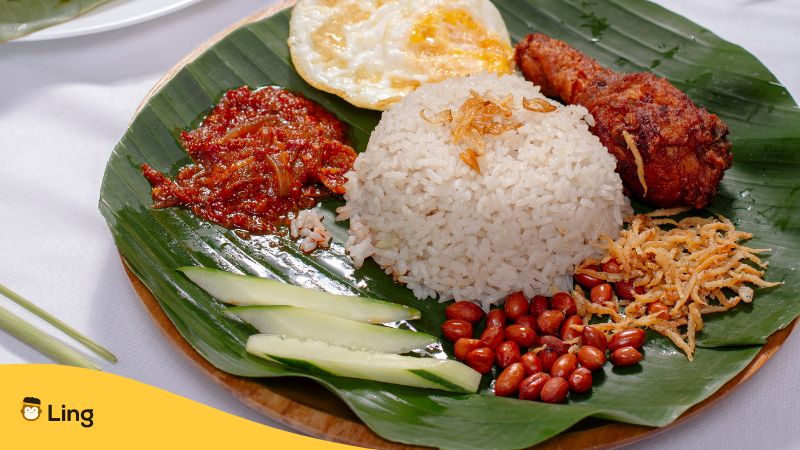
(305,323)
(328,359)
(249,290)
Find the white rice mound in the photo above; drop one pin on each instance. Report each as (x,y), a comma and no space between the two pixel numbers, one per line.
(547,192)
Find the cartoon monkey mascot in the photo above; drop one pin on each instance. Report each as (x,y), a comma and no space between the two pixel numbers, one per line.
(31,408)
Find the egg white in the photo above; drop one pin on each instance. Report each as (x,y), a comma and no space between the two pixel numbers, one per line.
(361,50)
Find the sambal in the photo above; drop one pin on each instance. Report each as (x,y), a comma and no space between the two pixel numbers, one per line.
(258,156)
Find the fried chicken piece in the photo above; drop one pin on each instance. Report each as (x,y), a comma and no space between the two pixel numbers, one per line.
(684,148)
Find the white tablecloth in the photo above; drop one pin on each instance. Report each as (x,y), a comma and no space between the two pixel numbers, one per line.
(64,105)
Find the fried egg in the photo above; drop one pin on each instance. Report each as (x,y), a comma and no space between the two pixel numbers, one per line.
(374,52)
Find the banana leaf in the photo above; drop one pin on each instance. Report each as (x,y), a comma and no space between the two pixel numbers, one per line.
(18,18)
(761,194)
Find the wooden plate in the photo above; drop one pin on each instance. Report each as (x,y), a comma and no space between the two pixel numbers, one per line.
(309,408)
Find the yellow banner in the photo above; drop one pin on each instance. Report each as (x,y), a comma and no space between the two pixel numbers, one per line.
(52,406)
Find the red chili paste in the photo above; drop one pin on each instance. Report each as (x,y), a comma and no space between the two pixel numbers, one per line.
(258,156)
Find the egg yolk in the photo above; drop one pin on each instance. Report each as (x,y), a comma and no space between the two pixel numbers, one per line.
(450,41)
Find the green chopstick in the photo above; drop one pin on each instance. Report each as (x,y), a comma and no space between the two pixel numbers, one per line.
(43,342)
(52,320)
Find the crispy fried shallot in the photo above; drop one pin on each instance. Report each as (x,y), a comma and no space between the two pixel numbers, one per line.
(695,266)
(442,117)
(477,117)
(637,158)
(539,105)
(470,158)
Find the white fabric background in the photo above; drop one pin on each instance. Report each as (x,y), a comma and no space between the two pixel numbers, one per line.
(64,105)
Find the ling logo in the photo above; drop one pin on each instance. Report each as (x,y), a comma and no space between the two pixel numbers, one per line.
(31,408)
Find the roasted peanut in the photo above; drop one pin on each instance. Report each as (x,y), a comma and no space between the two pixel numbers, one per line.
(594,337)
(480,359)
(588,281)
(493,337)
(612,266)
(516,306)
(524,336)
(539,303)
(601,294)
(564,365)
(625,356)
(464,310)
(565,303)
(580,381)
(466,345)
(532,386)
(549,322)
(531,362)
(660,308)
(547,357)
(555,390)
(629,337)
(567,332)
(527,320)
(456,329)
(555,344)
(506,354)
(625,290)
(591,358)
(496,319)
(509,380)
